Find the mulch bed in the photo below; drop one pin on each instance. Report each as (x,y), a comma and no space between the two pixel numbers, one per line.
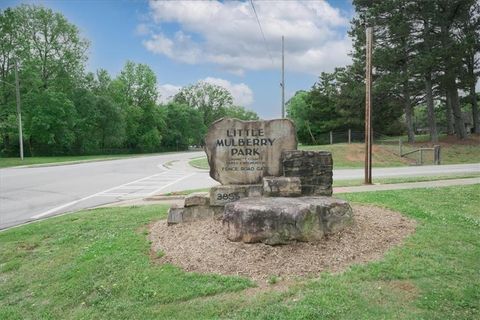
(202,247)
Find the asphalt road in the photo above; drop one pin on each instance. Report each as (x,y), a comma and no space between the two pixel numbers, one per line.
(31,193)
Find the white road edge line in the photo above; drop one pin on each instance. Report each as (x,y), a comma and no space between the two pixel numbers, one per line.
(46,213)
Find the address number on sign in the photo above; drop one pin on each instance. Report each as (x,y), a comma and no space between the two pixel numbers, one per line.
(228,196)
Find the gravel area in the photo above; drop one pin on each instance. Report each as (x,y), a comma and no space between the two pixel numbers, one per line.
(202,247)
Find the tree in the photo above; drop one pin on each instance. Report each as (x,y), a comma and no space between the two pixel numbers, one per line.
(471,37)
(393,50)
(50,49)
(184,126)
(241,113)
(450,13)
(51,55)
(298,110)
(99,123)
(211,100)
(49,123)
(135,91)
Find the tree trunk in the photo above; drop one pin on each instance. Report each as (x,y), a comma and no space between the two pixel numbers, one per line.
(476,119)
(448,114)
(432,123)
(408,115)
(311,134)
(457,112)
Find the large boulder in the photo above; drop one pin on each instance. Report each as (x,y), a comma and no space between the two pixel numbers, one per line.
(282,220)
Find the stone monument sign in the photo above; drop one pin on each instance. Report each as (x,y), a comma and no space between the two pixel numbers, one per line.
(270,192)
(243,152)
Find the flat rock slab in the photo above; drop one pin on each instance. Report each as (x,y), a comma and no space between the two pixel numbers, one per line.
(242,152)
(180,214)
(282,187)
(197,199)
(282,220)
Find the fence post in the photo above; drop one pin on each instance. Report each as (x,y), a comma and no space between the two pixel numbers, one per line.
(400,146)
(349,136)
(331,137)
(421,156)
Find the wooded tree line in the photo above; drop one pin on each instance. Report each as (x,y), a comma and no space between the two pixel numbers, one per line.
(67,110)
(426,53)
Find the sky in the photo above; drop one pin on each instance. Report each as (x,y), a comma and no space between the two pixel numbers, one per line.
(215,41)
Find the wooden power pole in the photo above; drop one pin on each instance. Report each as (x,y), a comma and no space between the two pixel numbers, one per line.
(19,110)
(368,108)
(283,78)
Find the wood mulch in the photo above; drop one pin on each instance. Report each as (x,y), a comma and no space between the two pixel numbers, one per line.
(202,247)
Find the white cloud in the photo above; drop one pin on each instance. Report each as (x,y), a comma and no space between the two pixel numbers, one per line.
(180,48)
(167,92)
(227,34)
(241,93)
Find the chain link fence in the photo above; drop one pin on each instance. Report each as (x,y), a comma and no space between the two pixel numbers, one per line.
(419,153)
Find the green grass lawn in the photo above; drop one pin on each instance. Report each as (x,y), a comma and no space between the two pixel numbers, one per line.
(96,265)
(200,163)
(12,162)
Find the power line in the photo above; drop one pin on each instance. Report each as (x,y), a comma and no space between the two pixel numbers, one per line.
(261,30)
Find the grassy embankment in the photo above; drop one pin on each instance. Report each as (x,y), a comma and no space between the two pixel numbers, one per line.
(386,155)
(97,264)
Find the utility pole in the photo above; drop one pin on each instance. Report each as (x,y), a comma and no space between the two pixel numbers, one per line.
(368,108)
(19,111)
(283,78)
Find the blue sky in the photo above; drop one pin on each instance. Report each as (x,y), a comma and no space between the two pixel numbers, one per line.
(218,42)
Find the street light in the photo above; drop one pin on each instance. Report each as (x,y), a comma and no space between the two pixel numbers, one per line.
(19,112)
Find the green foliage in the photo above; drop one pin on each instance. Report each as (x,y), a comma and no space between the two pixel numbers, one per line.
(49,122)
(209,99)
(184,126)
(424,51)
(241,113)
(337,102)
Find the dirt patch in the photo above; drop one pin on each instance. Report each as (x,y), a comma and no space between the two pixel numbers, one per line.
(355,153)
(381,154)
(202,247)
